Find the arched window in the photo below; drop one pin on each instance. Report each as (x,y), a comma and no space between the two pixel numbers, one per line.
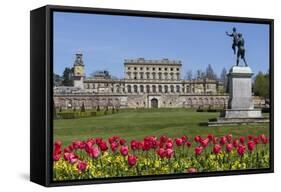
(160,88)
(129,88)
(166,88)
(135,88)
(153,88)
(172,88)
(141,88)
(178,88)
(147,88)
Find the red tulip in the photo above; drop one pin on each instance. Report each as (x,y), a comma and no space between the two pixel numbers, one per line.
(103,146)
(184,138)
(78,144)
(169,145)
(241,149)
(81,165)
(94,152)
(113,146)
(229,138)
(250,137)
(71,157)
(163,139)
(179,141)
(210,137)
(188,144)
(122,141)
(124,150)
(169,153)
(197,138)
(204,142)
(161,152)
(216,149)
(198,150)
(256,140)
(242,140)
(191,170)
(132,160)
(251,145)
(56,157)
(235,143)
(229,147)
(223,140)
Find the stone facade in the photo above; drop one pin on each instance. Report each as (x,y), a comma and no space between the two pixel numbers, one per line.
(147,83)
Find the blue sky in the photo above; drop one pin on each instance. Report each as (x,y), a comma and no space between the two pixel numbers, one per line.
(106,41)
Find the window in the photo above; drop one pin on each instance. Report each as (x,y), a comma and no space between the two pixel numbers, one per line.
(153,76)
(159,69)
(129,88)
(172,88)
(147,88)
(166,88)
(153,88)
(160,88)
(135,88)
(160,76)
(153,69)
(141,68)
(178,88)
(172,69)
(129,68)
(141,75)
(135,68)
(166,69)
(147,76)
(147,68)
(141,88)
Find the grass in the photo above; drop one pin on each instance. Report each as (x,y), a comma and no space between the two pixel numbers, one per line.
(138,123)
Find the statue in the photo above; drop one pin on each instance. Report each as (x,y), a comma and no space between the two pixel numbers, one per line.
(241,50)
(234,35)
(238,41)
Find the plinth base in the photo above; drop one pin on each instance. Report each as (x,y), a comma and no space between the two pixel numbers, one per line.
(238,121)
(241,113)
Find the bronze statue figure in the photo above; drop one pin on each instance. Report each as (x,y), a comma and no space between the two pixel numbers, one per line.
(241,50)
(234,35)
(238,41)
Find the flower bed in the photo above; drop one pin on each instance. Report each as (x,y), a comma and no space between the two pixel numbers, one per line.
(115,157)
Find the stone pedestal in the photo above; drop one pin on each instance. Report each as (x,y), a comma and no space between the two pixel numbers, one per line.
(240,104)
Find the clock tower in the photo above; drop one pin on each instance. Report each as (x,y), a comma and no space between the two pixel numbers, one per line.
(79,74)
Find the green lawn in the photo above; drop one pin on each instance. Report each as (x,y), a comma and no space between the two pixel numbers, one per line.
(137,123)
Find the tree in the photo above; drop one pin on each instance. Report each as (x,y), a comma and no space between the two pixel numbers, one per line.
(188,75)
(199,74)
(210,74)
(67,77)
(261,85)
(223,78)
(57,80)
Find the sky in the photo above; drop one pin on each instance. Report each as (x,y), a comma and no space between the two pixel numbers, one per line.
(106,41)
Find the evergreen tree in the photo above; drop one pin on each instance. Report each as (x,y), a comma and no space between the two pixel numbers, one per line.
(210,74)
(67,77)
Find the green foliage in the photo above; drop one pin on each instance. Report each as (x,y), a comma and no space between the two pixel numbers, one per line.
(83,107)
(67,77)
(261,85)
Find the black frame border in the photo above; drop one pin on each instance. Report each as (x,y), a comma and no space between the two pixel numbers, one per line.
(41,54)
